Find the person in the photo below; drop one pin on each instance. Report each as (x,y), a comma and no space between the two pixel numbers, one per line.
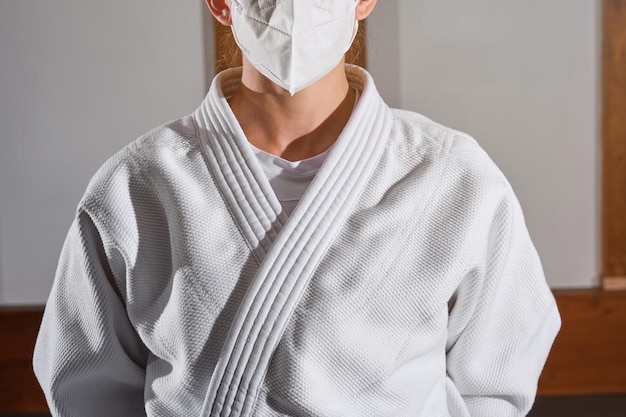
(296,248)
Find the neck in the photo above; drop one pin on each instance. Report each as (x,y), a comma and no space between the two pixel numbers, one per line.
(292,127)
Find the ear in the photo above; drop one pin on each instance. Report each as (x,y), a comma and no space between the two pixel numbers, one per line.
(364,8)
(220,9)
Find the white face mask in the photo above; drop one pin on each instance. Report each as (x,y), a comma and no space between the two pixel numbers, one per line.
(294,43)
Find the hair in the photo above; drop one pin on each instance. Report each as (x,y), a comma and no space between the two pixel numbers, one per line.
(228,54)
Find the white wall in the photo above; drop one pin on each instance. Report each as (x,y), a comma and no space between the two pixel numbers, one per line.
(522,77)
(78,81)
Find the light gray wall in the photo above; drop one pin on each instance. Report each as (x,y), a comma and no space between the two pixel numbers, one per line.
(522,77)
(383,50)
(78,81)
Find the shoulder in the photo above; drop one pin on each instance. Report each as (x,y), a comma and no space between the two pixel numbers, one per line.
(131,176)
(456,154)
(462,181)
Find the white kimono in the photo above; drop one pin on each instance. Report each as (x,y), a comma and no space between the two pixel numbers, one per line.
(403,284)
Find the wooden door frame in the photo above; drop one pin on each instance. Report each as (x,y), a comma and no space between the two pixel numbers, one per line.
(614,145)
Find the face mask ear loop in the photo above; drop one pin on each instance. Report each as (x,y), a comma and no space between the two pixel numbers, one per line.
(239,10)
(292,90)
(356,26)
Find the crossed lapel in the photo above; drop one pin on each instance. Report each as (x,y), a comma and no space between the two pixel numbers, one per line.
(289,248)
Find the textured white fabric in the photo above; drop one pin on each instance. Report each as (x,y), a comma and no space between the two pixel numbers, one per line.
(288,260)
(428,298)
(294,43)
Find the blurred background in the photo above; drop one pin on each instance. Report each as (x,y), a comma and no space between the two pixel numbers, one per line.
(80,80)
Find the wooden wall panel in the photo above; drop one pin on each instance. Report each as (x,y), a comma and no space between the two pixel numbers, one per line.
(614,144)
(589,354)
(19,391)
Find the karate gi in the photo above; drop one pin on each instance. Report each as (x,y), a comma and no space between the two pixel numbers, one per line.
(404,283)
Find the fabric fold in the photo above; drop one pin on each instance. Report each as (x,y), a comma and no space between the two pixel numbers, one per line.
(295,250)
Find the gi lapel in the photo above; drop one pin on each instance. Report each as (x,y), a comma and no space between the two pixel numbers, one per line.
(249,196)
(291,248)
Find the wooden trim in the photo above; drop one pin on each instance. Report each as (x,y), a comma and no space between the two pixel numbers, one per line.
(228,55)
(587,357)
(588,354)
(19,390)
(614,283)
(614,143)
